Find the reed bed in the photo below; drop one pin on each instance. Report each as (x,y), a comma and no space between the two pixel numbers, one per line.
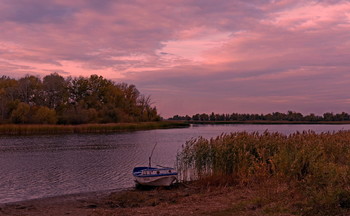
(22,129)
(316,166)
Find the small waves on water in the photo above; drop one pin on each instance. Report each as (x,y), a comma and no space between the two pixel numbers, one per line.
(42,166)
(35,167)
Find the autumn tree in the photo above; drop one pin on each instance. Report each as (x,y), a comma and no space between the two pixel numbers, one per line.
(76,100)
(8,97)
(30,90)
(21,114)
(55,91)
(44,115)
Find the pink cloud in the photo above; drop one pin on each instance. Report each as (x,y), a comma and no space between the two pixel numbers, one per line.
(311,16)
(192,56)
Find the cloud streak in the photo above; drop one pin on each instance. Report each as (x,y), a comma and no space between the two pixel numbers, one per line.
(191,56)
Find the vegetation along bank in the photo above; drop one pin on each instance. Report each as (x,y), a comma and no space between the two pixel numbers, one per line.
(309,172)
(25,129)
(276,117)
(303,174)
(80,100)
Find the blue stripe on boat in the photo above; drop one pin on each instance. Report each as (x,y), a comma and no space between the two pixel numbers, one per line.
(137,172)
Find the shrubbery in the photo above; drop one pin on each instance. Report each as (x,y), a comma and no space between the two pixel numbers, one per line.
(316,165)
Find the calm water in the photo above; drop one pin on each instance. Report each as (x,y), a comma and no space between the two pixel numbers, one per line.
(40,166)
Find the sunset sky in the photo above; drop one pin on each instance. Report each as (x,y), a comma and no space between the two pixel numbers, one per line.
(191,56)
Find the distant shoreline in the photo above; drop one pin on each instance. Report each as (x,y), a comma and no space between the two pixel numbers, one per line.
(268,122)
(38,129)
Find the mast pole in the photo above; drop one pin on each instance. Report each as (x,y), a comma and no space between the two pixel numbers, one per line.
(150,157)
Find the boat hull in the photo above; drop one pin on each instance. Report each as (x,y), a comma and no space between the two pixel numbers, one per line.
(156,180)
(151,176)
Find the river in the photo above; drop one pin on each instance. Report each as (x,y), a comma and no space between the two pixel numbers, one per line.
(51,165)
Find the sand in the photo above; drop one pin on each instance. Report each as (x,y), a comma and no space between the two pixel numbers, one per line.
(180,200)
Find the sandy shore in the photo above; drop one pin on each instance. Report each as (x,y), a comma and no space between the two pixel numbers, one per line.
(180,200)
(72,204)
(154,201)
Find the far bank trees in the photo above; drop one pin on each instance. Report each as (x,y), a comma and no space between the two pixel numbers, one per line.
(275,116)
(55,99)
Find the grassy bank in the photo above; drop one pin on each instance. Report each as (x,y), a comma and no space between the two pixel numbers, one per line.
(18,129)
(268,122)
(179,200)
(314,168)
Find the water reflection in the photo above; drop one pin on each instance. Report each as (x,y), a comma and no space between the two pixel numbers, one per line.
(40,166)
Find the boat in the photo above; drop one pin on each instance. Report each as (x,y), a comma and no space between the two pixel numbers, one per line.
(153,176)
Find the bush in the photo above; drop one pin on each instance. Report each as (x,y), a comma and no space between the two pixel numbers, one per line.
(317,165)
(44,115)
(21,114)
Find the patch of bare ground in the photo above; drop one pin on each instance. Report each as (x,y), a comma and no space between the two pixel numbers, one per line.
(193,200)
(266,198)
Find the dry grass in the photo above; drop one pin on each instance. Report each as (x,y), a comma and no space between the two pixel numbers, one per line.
(22,129)
(265,198)
(316,166)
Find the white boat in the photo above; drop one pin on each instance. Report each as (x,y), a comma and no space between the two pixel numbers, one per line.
(151,176)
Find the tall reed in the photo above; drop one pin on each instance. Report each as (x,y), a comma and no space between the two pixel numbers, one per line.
(317,165)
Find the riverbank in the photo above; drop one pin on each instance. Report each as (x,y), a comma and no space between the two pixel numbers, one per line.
(263,198)
(312,167)
(267,122)
(24,129)
(181,200)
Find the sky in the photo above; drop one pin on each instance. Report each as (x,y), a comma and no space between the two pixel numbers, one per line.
(191,56)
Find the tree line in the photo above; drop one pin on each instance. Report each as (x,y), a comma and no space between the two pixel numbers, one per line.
(275,116)
(79,100)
